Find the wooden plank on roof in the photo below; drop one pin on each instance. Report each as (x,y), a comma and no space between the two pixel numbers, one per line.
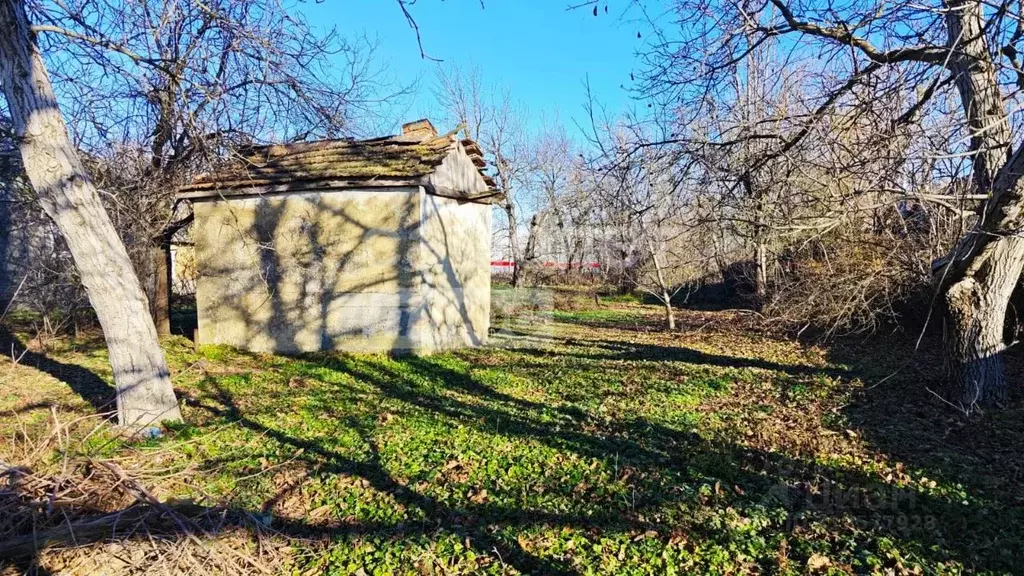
(298,186)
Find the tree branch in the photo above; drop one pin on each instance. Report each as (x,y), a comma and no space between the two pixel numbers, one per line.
(841,34)
(102,43)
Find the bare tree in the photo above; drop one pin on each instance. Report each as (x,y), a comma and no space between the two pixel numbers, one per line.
(157,93)
(69,197)
(640,190)
(909,55)
(558,177)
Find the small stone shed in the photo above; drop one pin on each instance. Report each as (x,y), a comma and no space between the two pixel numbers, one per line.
(357,245)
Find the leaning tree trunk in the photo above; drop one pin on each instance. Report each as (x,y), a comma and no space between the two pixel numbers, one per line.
(983,269)
(67,194)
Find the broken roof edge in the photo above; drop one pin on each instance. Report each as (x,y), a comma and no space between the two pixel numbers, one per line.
(490,196)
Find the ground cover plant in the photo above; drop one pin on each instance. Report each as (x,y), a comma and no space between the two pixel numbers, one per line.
(598,444)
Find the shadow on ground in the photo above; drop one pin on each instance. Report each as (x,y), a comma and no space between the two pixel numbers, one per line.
(900,413)
(713,489)
(93,389)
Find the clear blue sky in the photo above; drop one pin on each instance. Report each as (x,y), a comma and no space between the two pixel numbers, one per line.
(537,48)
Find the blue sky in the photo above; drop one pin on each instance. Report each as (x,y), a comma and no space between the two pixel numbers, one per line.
(537,48)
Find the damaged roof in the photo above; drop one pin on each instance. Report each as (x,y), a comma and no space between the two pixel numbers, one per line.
(443,164)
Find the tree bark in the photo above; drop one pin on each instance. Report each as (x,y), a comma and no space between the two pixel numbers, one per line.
(513,242)
(670,313)
(68,196)
(760,251)
(161,304)
(666,298)
(975,310)
(530,253)
(985,266)
(761,280)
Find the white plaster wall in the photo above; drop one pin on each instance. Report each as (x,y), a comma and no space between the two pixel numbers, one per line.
(455,265)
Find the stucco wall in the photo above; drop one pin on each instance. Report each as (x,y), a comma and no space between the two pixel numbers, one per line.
(305,272)
(357,270)
(456,272)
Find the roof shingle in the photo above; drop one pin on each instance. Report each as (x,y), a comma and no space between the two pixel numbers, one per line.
(399,159)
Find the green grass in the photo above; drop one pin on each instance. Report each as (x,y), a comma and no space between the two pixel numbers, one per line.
(601,449)
(611,317)
(627,298)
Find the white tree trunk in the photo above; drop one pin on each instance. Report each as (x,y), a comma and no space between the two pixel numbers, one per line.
(67,194)
(761,279)
(670,313)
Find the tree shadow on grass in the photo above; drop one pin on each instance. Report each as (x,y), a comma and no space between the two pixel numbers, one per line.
(600,349)
(439,517)
(666,459)
(93,389)
(986,457)
(675,473)
(900,412)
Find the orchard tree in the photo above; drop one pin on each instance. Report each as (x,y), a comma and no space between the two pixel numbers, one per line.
(155,94)
(916,57)
(67,194)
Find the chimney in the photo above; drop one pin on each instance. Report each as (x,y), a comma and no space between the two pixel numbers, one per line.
(419,130)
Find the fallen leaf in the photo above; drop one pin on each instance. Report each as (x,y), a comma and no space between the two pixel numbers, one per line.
(818,562)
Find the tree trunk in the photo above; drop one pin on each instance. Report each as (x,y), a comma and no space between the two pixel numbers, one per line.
(67,194)
(666,298)
(530,253)
(972,67)
(513,242)
(975,312)
(578,254)
(760,252)
(670,314)
(761,281)
(161,304)
(985,266)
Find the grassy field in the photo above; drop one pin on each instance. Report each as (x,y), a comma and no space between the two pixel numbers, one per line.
(597,445)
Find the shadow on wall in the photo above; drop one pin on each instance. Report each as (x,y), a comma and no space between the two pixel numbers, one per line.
(455,272)
(346,270)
